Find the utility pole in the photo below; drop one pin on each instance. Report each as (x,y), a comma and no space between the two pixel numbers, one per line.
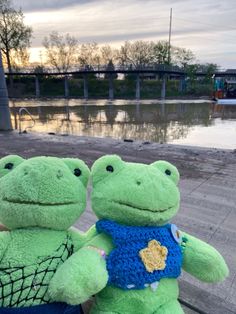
(170,29)
(5,117)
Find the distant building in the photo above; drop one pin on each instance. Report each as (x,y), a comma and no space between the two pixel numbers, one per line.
(231,70)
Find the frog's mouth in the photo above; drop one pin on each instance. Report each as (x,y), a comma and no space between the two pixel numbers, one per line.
(134,207)
(22,202)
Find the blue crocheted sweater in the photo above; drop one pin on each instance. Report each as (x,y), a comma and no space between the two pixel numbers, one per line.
(124,264)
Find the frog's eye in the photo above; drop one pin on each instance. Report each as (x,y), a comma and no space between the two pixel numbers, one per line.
(168,172)
(106,167)
(78,168)
(109,168)
(77,172)
(9,163)
(9,166)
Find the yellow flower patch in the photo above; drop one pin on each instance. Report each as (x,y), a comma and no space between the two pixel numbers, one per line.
(154,256)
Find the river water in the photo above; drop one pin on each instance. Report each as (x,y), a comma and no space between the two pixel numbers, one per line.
(198,123)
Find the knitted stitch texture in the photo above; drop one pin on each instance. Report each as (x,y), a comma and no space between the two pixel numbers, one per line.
(124,264)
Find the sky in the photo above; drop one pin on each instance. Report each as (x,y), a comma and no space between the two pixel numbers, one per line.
(207,27)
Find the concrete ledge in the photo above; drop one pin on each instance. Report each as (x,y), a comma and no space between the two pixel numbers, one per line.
(202,301)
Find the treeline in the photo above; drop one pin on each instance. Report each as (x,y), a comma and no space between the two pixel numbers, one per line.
(64,52)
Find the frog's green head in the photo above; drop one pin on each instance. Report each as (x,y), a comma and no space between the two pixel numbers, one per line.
(46,192)
(135,194)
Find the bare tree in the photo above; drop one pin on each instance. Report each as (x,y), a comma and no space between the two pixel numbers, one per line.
(20,58)
(14,34)
(89,55)
(61,51)
(182,57)
(108,54)
(136,54)
(143,53)
(160,52)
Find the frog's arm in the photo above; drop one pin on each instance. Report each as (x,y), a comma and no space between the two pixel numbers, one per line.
(81,238)
(83,274)
(203,261)
(4,241)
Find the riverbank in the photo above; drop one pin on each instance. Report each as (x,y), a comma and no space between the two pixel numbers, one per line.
(99,88)
(192,161)
(208,206)
(122,101)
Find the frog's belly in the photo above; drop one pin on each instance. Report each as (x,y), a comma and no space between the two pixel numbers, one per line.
(121,301)
(22,286)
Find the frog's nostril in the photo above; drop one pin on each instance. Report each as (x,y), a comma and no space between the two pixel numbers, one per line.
(138,182)
(59,174)
(26,171)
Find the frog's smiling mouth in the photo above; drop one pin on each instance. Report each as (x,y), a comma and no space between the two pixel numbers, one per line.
(37,202)
(128,205)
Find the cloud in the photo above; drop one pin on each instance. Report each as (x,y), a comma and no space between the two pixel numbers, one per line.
(44,5)
(205,26)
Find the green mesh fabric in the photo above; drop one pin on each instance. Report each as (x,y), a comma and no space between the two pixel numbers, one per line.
(27,285)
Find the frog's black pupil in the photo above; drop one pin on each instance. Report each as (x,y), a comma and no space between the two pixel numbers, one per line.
(168,172)
(9,166)
(110,168)
(77,172)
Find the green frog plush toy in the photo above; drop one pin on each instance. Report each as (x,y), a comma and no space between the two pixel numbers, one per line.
(40,198)
(144,251)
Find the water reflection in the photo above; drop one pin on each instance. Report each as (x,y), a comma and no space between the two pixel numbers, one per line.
(150,122)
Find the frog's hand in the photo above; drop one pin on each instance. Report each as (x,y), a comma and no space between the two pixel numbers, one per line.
(4,241)
(81,238)
(81,276)
(3,228)
(203,261)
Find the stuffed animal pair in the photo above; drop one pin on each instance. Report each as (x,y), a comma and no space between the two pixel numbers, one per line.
(131,262)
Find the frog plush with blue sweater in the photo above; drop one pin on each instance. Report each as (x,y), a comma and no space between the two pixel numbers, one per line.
(144,251)
(40,199)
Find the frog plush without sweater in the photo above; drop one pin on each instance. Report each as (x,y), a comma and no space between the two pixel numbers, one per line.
(40,198)
(145,252)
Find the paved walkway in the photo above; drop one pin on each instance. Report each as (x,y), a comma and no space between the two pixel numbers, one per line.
(208,209)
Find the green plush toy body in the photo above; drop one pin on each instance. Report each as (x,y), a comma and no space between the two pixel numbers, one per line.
(145,253)
(40,199)
(28,264)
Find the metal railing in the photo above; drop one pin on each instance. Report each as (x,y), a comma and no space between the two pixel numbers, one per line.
(23,109)
(102,67)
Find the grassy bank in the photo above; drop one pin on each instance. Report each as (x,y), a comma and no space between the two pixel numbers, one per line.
(98,88)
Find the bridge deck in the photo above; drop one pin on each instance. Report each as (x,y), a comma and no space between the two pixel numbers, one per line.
(155,69)
(208,208)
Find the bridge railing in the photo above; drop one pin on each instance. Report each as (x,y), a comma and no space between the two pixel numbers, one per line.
(160,72)
(102,68)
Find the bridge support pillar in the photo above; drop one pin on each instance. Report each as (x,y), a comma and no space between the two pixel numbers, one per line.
(66,86)
(85,86)
(181,85)
(111,87)
(5,118)
(137,111)
(163,107)
(37,87)
(163,87)
(137,93)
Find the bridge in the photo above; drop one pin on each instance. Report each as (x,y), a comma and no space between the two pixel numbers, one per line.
(161,71)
